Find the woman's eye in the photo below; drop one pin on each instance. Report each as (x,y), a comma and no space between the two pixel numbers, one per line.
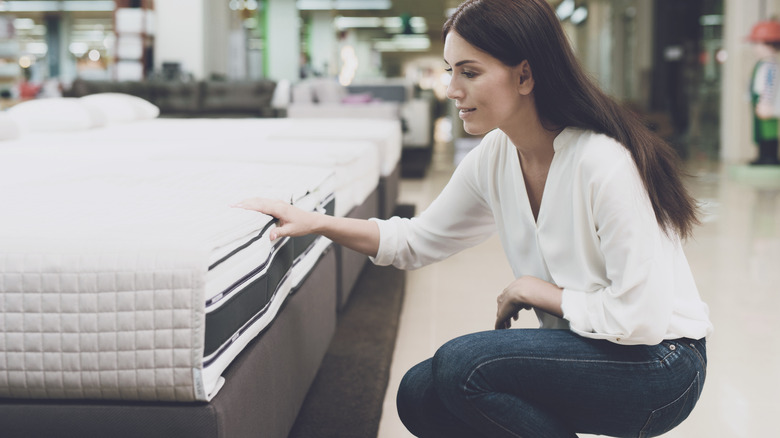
(468,74)
(448,69)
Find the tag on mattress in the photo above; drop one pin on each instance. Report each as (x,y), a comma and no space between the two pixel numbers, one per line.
(197,383)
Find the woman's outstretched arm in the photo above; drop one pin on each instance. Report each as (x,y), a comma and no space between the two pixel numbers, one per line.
(357,234)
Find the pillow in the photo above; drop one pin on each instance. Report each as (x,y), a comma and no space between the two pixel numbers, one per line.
(9,129)
(120,107)
(55,114)
(328,90)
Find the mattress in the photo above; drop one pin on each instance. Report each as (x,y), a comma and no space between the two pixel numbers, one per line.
(135,279)
(385,135)
(356,164)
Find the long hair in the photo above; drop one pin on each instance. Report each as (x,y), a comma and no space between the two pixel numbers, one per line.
(516,30)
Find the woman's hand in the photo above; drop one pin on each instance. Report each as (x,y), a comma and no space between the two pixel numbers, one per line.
(526,293)
(509,306)
(292,220)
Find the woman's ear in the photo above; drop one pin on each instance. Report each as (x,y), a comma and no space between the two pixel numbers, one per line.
(525,78)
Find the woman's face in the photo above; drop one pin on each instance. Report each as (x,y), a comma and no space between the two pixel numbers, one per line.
(487,93)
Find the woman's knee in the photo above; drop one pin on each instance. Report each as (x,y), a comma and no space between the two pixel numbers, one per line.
(452,366)
(412,392)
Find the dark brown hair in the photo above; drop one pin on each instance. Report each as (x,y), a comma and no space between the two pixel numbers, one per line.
(516,30)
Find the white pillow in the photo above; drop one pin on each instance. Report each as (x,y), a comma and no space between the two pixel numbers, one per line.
(56,114)
(120,107)
(9,128)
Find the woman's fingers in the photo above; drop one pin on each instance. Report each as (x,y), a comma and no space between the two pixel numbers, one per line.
(508,308)
(271,207)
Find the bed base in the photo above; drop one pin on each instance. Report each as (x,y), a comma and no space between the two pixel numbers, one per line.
(264,389)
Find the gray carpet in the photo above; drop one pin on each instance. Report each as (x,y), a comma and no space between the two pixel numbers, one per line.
(345,400)
(346,397)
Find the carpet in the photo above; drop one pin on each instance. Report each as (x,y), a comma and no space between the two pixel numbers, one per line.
(345,400)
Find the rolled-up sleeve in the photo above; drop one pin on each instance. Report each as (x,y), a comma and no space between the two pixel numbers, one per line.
(457,219)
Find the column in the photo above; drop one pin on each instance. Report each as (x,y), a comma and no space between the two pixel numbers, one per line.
(217,46)
(322,44)
(181,35)
(641,85)
(282,40)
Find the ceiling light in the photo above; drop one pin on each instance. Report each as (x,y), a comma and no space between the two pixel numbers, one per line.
(24,24)
(390,24)
(325,5)
(55,6)
(343,23)
(565,9)
(403,43)
(579,15)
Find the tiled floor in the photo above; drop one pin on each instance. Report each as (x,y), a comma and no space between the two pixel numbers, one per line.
(735,256)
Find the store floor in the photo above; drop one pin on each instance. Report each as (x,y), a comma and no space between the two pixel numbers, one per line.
(735,257)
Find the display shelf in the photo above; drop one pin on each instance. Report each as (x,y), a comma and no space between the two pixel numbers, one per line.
(134,26)
(10,72)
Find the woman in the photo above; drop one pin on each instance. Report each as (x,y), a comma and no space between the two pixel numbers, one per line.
(590,209)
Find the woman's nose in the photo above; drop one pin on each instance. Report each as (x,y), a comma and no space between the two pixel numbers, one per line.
(453,90)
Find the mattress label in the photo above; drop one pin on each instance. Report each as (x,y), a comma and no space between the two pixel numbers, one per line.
(197,383)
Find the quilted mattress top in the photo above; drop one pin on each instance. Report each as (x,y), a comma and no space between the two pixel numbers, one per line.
(104,267)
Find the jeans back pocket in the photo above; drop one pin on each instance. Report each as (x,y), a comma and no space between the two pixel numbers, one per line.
(667,417)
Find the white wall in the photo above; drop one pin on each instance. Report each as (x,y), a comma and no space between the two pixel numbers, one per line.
(283,40)
(216,32)
(180,35)
(324,46)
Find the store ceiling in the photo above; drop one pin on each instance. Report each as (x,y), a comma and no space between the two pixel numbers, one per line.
(433,11)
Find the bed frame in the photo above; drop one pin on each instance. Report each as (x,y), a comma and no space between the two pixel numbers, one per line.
(265,385)
(264,389)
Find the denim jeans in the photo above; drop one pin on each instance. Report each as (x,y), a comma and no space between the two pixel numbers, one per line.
(537,383)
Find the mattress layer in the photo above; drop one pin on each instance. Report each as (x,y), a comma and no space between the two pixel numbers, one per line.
(104,275)
(356,163)
(386,135)
(249,305)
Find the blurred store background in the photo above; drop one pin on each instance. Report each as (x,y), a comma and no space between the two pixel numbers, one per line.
(684,66)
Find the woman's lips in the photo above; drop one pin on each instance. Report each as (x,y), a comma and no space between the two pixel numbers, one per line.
(464,112)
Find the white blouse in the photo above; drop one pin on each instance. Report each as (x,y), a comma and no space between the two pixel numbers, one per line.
(596,236)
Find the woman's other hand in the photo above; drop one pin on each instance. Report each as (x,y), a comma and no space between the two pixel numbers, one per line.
(509,307)
(292,220)
(526,293)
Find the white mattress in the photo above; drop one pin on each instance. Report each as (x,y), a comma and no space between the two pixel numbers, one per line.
(357,164)
(385,135)
(110,274)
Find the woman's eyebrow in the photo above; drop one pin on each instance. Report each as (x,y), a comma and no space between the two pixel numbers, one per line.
(459,63)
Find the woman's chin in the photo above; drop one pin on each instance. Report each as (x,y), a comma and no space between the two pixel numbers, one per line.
(472,129)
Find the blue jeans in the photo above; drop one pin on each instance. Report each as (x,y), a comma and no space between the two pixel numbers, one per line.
(537,383)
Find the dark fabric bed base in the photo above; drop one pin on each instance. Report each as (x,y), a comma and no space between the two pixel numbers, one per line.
(381,204)
(351,263)
(264,390)
(389,187)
